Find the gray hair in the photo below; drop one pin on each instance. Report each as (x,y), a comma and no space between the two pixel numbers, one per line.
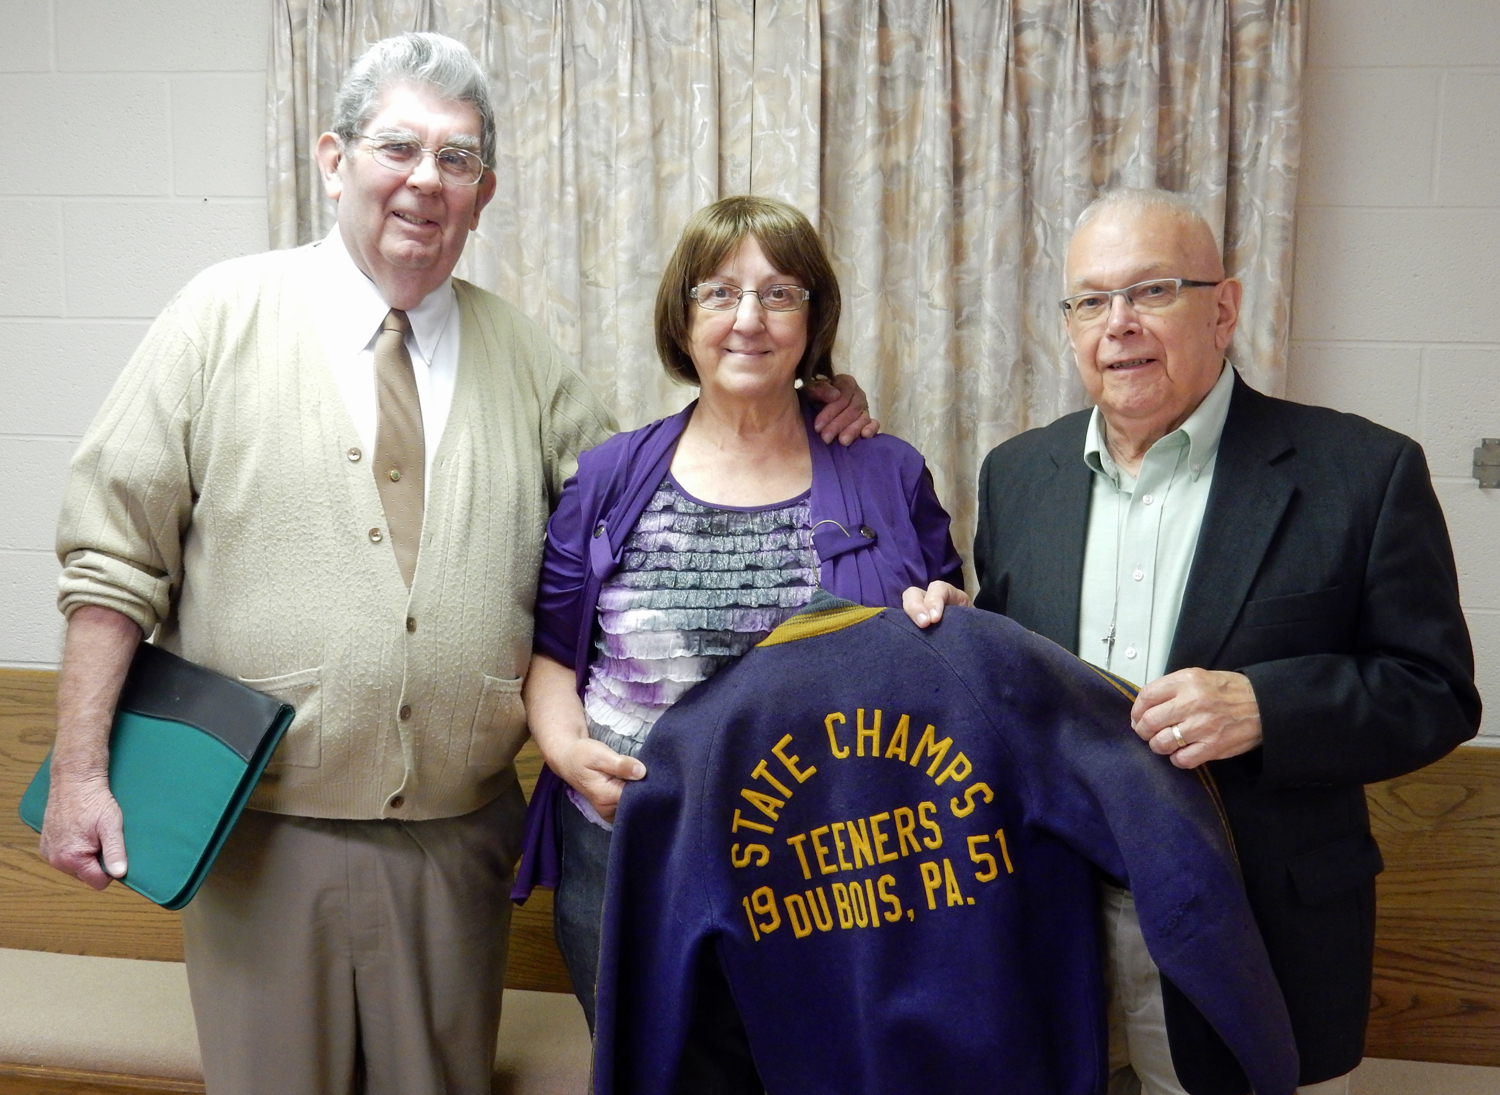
(433,60)
(1169,202)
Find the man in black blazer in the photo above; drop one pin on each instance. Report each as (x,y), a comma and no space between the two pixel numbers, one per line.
(1318,646)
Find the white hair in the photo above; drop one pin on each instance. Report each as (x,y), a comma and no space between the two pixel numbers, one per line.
(432,60)
(1143,200)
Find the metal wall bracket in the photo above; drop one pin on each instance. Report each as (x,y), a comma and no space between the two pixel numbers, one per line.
(1487,462)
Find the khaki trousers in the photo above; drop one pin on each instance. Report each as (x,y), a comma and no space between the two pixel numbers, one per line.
(1140,1061)
(335,957)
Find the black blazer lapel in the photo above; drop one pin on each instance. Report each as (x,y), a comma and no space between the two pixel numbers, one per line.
(1058,529)
(1250,493)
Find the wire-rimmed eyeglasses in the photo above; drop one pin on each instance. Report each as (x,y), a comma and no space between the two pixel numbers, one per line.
(455,165)
(1144,296)
(716,296)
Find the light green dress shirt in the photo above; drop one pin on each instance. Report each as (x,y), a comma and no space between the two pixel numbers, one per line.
(1142,534)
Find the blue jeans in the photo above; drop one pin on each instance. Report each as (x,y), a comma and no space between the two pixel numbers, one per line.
(578,904)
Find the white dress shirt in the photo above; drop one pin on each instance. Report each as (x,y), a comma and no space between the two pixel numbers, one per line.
(348,313)
(1142,535)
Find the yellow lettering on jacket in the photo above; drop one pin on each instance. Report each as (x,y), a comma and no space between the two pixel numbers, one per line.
(838,844)
(801,775)
(817,904)
(839,751)
(906,826)
(841,905)
(752,851)
(954,894)
(887,883)
(762,802)
(897,747)
(741,822)
(859,843)
(763,903)
(796,915)
(970,793)
(881,855)
(958,771)
(821,852)
(862,734)
(857,904)
(932,881)
(796,843)
(760,771)
(926,811)
(935,749)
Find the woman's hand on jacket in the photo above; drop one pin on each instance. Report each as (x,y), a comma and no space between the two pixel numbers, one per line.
(925,606)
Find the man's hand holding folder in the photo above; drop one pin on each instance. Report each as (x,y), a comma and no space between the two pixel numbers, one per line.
(83,834)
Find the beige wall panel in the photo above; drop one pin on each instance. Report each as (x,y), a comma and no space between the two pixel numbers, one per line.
(1368,136)
(115,128)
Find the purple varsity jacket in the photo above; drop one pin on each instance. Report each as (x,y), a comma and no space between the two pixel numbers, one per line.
(886,841)
(877,526)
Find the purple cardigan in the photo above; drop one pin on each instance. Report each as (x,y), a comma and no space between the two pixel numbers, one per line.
(877,526)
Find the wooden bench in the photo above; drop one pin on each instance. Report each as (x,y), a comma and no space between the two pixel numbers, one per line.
(1437,962)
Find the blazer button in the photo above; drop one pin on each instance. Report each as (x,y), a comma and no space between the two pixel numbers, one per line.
(375,536)
(405,711)
(867,532)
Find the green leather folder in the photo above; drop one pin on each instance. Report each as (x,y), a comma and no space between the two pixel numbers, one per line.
(185,751)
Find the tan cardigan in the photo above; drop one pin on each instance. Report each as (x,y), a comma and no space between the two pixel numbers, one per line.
(221,500)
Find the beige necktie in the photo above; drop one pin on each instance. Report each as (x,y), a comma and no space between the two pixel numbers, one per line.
(399,456)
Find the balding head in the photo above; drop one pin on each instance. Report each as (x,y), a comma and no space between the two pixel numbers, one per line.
(1128,204)
(1148,368)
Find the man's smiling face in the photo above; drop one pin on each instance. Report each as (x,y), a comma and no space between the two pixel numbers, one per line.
(406,231)
(1148,371)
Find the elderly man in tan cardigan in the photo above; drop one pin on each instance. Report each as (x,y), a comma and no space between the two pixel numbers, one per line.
(326,472)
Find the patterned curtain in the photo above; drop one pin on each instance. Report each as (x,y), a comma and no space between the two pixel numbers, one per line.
(943,147)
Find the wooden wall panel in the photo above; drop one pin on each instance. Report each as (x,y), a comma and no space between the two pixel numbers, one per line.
(1437,938)
(43,910)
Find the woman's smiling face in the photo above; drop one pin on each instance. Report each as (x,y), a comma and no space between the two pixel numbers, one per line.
(747,352)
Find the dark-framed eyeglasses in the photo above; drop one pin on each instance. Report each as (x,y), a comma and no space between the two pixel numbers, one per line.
(717,296)
(455,165)
(1155,295)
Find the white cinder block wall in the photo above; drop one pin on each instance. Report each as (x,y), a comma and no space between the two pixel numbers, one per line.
(1397,290)
(137,157)
(142,127)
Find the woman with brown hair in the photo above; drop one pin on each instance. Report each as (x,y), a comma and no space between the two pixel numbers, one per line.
(680,545)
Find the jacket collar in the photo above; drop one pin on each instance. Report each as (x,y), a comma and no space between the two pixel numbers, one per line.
(1057,531)
(1251,490)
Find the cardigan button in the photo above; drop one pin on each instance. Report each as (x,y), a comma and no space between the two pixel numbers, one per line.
(405,711)
(411,623)
(397,802)
(867,532)
(375,536)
